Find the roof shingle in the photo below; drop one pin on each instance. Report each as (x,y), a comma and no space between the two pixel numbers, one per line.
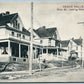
(78,41)
(43,32)
(4,19)
(7,18)
(65,43)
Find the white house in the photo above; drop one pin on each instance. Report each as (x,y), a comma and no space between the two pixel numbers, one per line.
(72,45)
(50,40)
(14,39)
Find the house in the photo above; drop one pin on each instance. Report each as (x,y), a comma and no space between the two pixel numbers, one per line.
(47,36)
(72,45)
(14,39)
(50,40)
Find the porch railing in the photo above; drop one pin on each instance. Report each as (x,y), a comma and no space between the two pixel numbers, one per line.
(18,60)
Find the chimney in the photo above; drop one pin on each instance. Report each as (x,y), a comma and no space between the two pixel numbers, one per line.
(2,14)
(72,38)
(80,37)
(7,12)
(43,26)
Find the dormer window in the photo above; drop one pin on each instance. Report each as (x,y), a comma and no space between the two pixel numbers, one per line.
(15,24)
(17,35)
(29,38)
(18,25)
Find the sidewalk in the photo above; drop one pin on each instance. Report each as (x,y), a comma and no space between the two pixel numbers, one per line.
(35,71)
(43,76)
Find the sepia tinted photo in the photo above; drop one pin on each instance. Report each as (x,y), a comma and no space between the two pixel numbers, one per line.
(41,41)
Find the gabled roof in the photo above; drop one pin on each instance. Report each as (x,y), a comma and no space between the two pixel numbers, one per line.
(51,31)
(26,31)
(7,18)
(43,32)
(78,41)
(65,43)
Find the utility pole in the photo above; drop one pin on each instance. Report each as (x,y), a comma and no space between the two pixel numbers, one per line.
(31,44)
(62,60)
(81,53)
(81,47)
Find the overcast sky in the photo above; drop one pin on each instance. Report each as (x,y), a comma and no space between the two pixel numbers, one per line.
(46,14)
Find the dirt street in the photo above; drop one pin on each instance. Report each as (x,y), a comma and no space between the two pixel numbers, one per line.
(50,75)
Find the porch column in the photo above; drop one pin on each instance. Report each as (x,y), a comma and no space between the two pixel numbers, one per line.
(62,58)
(57,52)
(9,49)
(40,58)
(42,51)
(19,50)
(28,51)
(47,50)
(81,57)
(35,52)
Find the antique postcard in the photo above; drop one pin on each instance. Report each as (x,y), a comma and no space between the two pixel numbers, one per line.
(41,41)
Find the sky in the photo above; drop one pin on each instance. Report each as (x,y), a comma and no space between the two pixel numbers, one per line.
(47,14)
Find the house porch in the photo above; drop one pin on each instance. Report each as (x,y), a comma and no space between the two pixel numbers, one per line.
(15,51)
(52,52)
(11,51)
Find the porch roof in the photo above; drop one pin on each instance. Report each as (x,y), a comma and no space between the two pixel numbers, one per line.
(19,41)
(53,47)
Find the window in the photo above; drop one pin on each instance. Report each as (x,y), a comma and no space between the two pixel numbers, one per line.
(18,35)
(23,36)
(41,41)
(4,50)
(76,47)
(44,50)
(29,38)
(12,33)
(24,60)
(15,23)
(49,42)
(18,26)
(14,59)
